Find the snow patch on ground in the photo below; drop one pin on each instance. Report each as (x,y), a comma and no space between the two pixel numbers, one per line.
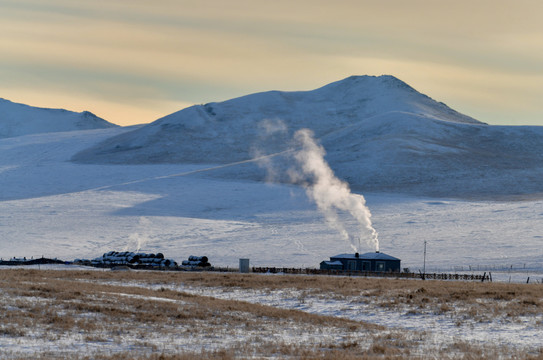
(444,329)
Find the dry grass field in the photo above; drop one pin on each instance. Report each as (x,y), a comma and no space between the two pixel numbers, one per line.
(80,314)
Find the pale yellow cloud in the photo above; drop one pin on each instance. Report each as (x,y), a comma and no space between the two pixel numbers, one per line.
(482,56)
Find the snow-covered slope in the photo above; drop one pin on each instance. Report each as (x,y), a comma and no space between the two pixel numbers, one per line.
(19,119)
(50,206)
(230,131)
(380,135)
(408,153)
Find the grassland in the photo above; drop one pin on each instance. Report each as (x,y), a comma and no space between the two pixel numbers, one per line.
(175,315)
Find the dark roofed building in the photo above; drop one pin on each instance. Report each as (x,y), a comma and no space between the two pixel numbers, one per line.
(371,262)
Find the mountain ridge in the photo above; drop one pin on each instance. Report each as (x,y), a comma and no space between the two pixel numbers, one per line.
(18,119)
(380,134)
(171,138)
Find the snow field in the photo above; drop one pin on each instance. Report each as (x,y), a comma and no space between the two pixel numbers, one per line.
(55,208)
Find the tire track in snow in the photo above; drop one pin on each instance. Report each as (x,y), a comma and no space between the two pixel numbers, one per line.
(186,173)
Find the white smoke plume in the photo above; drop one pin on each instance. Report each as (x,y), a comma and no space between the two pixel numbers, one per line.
(330,194)
(139,238)
(271,138)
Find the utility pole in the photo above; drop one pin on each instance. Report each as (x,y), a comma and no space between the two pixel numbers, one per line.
(424,264)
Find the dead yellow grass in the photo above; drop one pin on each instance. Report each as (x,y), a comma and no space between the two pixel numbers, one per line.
(141,310)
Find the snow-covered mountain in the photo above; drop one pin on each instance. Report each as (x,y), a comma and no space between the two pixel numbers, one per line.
(380,135)
(19,119)
(229,131)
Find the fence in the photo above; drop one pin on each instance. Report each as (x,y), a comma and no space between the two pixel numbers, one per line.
(398,275)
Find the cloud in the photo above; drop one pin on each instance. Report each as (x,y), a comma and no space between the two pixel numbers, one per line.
(210,51)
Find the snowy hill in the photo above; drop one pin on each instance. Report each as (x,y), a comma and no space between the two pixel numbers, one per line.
(19,119)
(424,156)
(380,134)
(230,131)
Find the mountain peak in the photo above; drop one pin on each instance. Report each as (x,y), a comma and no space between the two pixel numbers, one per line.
(373,83)
(382,78)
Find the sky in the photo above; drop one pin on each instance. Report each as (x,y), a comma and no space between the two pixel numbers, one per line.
(134,61)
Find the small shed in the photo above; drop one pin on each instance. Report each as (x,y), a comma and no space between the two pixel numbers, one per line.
(371,262)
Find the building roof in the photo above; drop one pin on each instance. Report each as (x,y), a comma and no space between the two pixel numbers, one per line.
(366,256)
(336,263)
